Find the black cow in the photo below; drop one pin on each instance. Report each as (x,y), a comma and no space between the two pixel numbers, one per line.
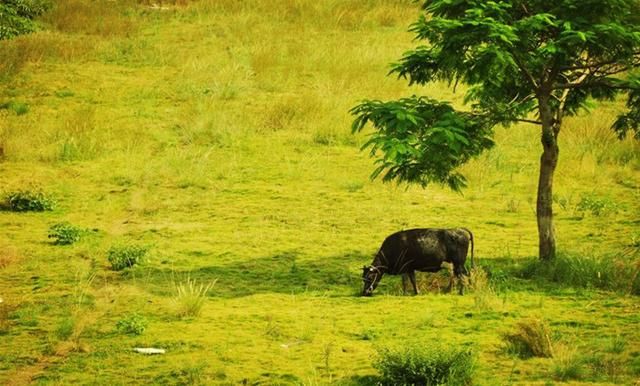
(423,250)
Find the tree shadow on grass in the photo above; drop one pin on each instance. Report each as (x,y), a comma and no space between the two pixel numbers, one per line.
(286,273)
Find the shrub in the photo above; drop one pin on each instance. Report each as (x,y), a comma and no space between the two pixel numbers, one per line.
(125,256)
(16,16)
(133,324)
(431,365)
(29,201)
(65,233)
(530,338)
(190,297)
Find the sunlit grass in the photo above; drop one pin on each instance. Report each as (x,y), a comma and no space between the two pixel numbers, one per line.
(218,132)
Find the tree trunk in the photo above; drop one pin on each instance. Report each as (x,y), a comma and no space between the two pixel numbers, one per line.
(548,162)
(544,209)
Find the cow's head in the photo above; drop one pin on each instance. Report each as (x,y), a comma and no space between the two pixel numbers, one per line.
(371,276)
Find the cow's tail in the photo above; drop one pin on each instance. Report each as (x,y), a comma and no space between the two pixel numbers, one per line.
(473,264)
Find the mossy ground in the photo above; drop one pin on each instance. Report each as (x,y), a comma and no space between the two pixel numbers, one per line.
(217,134)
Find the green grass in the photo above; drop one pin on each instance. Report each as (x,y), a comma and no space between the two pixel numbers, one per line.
(218,133)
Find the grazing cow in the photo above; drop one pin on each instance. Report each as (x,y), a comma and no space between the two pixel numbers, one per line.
(423,250)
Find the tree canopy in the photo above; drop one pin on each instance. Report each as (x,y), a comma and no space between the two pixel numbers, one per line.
(533,61)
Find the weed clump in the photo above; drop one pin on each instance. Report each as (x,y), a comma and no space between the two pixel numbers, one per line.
(133,324)
(434,365)
(530,338)
(18,108)
(65,233)
(597,206)
(126,256)
(190,297)
(28,201)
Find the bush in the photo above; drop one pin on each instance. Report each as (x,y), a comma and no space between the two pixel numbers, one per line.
(133,324)
(126,256)
(64,233)
(530,338)
(430,365)
(28,201)
(16,16)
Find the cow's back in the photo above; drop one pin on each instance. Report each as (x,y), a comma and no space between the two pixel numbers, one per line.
(414,249)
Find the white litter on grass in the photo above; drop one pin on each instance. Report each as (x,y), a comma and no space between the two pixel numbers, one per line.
(149,350)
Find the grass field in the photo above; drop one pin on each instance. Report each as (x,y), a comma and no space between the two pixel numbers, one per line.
(216,135)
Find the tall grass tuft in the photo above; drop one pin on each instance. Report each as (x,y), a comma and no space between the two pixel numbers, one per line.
(426,365)
(190,297)
(602,272)
(484,296)
(529,338)
(567,365)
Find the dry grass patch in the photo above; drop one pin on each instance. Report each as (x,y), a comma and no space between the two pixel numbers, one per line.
(98,17)
(8,255)
(530,338)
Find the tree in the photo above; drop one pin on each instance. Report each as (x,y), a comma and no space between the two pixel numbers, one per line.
(16,16)
(533,61)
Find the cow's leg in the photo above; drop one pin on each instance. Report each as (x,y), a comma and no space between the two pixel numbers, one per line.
(404,283)
(412,277)
(451,280)
(458,272)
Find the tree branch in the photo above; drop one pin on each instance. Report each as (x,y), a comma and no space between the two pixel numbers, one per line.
(524,69)
(569,86)
(528,121)
(598,64)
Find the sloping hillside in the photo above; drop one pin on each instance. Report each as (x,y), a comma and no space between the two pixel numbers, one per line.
(215,135)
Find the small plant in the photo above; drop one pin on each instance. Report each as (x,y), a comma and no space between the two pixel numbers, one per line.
(596,206)
(19,108)
(65,233)
(530,338)
(190,297)
(126,256)
(431,365)
(133,324)
(29,201)
(64,331)
(617,344)
(326,357)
